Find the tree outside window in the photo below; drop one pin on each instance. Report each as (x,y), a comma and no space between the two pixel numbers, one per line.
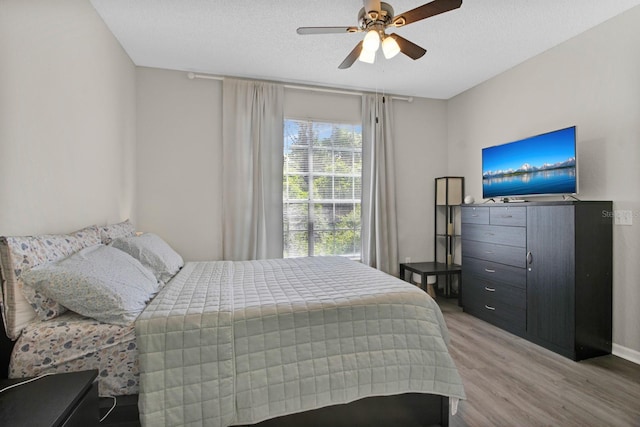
(322,188)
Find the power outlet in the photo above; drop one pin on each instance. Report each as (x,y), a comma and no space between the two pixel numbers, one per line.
(623,217)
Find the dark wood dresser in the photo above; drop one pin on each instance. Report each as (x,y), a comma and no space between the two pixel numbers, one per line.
(542,271)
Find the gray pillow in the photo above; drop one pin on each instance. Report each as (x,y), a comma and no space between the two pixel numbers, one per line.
(99,282)
(152,252)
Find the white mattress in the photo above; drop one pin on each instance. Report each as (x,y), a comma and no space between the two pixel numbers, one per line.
(236,343)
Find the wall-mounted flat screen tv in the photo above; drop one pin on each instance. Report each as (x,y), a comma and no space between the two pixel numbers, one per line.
(540,165)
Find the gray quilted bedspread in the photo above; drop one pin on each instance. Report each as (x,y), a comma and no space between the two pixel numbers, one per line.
(239,342)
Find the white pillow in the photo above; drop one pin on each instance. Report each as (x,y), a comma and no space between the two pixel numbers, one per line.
(152,252)
(99,282)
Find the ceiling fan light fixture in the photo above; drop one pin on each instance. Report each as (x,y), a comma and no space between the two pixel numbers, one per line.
(374,19)
(390,47)
(399,21)
(371,41)
(368,56)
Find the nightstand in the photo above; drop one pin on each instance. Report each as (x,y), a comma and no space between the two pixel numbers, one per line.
(425,269)
(69,400)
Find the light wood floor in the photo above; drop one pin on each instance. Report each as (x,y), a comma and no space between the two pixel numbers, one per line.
(512,382)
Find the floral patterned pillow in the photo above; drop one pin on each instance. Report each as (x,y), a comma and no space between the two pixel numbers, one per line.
(100,282)
(122,229)
(19,254)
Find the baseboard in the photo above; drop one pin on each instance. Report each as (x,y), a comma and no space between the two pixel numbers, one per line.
(626,353)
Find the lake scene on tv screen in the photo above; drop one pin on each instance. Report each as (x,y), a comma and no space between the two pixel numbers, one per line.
(543,164)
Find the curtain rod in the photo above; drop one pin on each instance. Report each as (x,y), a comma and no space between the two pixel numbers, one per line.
(299,87)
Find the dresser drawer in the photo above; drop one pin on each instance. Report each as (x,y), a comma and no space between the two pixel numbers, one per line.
(508,318)
(505,307)
(507,215)
(494,272)
(511,236)
(494,292)
(475,215)
(510,255)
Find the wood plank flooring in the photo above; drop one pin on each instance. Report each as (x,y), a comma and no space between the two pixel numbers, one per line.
(512,382)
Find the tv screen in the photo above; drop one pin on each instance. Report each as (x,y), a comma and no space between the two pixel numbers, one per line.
(541,165)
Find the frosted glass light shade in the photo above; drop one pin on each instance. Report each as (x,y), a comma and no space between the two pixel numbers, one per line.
(390,47)
(371,41)
(368,56)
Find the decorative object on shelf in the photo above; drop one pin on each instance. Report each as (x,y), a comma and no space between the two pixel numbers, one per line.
(469,200)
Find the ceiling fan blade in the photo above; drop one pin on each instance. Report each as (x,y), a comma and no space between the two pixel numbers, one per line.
(372,8)
(410,49)
(327,30)
(436,7)
(351,58)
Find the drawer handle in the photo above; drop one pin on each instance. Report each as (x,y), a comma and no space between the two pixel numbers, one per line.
(486,288)
(488,270)
(488,307)
(489,234)
(489,252)
(475,216)
(507,216)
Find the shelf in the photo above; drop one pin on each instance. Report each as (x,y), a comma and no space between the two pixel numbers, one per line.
(449,191)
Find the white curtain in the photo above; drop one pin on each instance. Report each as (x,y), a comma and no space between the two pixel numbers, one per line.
(379,226)
(252,133)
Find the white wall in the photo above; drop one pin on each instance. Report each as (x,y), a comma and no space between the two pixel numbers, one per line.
(67,119)
(591,81)
(179,151)
(421,156)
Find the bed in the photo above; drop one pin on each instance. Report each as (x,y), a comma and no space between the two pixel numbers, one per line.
(277,342)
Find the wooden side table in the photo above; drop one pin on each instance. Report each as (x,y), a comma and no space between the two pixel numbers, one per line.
(69,400)
(425,269)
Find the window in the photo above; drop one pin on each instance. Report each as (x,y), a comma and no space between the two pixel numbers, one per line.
(322,188)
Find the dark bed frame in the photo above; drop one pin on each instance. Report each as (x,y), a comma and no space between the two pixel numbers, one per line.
(406,410)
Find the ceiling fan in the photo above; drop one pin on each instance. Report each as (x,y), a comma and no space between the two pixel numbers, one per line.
(374,18)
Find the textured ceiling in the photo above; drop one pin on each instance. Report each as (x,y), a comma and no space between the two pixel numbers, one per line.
(258,39)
